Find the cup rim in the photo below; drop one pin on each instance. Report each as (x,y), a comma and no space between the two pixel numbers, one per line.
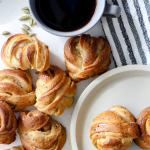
(95,18)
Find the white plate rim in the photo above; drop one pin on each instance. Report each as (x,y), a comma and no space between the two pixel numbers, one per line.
(90,87)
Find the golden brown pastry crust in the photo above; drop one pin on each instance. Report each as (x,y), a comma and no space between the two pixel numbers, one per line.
(114,129)
(38,130)
(55,91)
(8,124)
(144,124)
(86,56)
(16,88)
(16,148)
(25,52)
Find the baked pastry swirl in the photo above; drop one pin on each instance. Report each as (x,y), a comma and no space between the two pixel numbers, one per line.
(8,124)
(144,124)
(38,131)
(16,88)
(25,52)
(16,148)
(86,56)
(114,129)
(55,91)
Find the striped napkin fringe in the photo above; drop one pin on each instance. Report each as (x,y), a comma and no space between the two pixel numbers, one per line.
(129,35)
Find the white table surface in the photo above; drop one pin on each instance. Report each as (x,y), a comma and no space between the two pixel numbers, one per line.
(10,12)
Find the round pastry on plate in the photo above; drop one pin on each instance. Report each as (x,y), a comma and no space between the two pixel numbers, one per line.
(8,124)
(144,123)
(38,131)
(25,52)
(55,91)
(86,56)
(16,88)
(16,148)
(114,129)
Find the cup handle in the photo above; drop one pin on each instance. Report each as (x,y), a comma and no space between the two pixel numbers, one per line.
(112,11)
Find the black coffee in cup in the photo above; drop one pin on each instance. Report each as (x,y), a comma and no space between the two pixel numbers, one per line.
(65,15)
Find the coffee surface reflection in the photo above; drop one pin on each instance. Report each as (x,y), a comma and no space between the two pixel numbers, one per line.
(65,15)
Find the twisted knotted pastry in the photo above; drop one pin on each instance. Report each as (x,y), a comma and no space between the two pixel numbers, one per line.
(86,56)
(16,148)
(16,88)
(8,124)
(38,131)
(55,91)
(144,123)
(25,52)
(114,129)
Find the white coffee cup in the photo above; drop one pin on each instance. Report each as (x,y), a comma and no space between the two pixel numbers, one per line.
(102,9)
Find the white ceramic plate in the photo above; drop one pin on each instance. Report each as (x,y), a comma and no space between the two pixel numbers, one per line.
(127,86)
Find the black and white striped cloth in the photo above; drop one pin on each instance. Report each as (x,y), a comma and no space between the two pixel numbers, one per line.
(129,35)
